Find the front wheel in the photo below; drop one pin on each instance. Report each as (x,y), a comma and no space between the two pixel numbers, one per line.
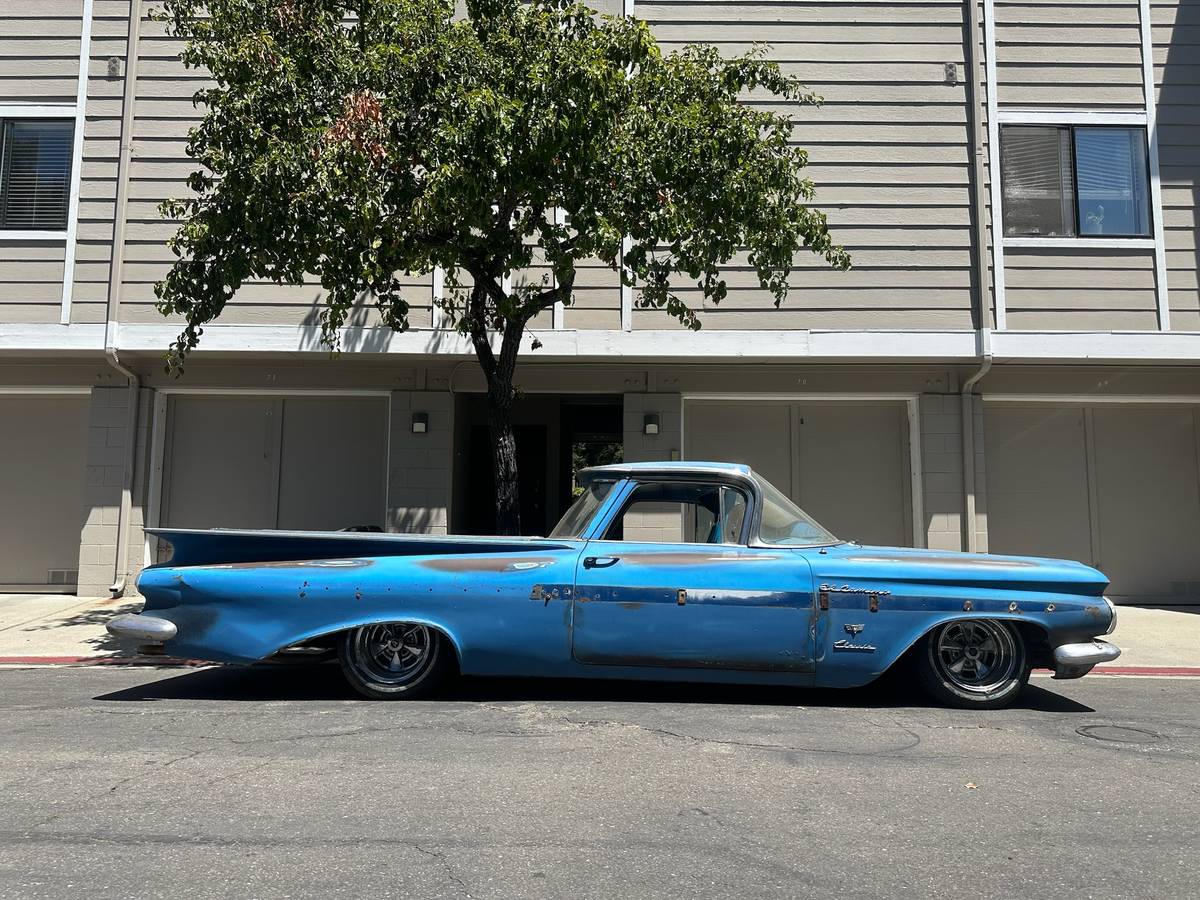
(974,663)
(395,660)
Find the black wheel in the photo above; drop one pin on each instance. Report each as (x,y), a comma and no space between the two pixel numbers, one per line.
(974,663)
(395,660)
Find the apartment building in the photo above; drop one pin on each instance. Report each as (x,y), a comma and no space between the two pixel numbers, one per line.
(1011,366)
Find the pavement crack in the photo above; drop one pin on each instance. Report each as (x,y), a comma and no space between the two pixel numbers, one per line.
(449,869)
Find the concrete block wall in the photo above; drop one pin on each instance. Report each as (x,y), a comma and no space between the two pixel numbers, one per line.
(420,465)
(941,463)
(106,455)
(981,529)
(665,445)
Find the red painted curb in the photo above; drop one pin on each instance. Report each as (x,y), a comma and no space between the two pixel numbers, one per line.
(1184,671)
(1146,670)
(100,661)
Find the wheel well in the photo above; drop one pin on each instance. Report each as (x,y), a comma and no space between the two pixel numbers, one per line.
(1037,644)
(331,639)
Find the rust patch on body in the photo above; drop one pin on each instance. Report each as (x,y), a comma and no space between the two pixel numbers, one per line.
(293,564)
(630,606)
(968,563)
(689,559)
(487,563)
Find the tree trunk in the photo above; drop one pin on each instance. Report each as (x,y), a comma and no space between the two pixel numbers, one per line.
(500,370)
(504,457)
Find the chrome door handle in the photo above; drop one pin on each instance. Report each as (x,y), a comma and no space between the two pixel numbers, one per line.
(600,562)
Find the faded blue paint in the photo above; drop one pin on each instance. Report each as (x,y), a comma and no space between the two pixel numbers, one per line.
(530,606)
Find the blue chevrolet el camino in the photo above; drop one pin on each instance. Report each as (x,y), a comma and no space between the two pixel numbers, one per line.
(683,571)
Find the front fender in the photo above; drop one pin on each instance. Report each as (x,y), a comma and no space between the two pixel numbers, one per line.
(855,645)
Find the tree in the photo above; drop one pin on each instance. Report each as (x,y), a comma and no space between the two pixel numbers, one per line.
(358,139)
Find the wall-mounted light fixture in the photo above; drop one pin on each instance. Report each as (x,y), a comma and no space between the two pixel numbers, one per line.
(420,422)
(650,423)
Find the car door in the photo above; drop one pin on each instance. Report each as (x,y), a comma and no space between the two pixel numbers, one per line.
(672,583)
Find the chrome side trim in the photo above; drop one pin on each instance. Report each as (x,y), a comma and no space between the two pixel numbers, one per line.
(141,628)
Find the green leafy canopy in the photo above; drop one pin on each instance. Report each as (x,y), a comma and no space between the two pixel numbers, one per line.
(357,141)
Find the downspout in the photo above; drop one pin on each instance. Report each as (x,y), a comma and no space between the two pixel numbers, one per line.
(115,277)
(968,438)
(981,312)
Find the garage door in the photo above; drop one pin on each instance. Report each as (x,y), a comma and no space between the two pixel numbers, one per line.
(845,463)
(43,446)
(309,463)
(1113,485)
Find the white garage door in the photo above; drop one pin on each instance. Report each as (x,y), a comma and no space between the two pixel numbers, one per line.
(309,463)
(846,463)
(1113,485)
(43,458)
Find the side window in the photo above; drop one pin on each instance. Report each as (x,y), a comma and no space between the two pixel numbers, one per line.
(681,513)
(35,173)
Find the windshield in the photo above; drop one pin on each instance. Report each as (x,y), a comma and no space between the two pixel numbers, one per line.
(785,523)
(576,519)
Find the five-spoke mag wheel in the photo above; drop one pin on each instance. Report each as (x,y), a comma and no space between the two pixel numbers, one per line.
(974,663)
(394,660)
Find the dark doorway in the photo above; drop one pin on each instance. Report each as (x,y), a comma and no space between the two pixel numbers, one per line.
(556,436)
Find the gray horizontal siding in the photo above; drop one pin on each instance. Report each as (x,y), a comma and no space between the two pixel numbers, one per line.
(163,114)
(1176,36)
(887,149)
(1068,53)
(1087,289)
(39,51)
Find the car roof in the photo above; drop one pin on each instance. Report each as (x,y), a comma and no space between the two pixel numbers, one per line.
(673,468)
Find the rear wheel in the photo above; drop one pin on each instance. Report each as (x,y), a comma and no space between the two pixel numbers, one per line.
(974,663)
(395,660)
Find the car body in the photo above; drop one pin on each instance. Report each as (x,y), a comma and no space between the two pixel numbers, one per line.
(682,571)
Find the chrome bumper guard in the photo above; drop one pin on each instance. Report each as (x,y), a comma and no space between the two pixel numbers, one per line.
(148,629)
(1076,660)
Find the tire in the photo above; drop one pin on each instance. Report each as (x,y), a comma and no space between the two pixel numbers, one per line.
(395,660)
(973,663)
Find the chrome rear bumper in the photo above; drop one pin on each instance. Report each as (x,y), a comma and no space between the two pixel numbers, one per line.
(149,629)
(1076,660)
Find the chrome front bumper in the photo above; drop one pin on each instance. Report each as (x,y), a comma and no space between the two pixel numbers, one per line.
(148,629)
(1076,660)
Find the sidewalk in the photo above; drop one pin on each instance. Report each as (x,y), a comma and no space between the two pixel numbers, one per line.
(48,629)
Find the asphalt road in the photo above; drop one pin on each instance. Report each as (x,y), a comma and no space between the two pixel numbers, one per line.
(268,783)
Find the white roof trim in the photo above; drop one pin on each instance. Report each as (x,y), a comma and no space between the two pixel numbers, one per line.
(675,346)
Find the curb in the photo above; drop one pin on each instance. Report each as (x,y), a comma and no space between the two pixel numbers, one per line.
(1143,671)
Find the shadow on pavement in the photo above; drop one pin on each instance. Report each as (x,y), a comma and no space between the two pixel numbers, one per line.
(324,682)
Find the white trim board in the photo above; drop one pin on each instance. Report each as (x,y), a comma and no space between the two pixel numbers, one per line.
(45,390)
(1080,243)
(1156,206)
(1010,115)
(257,342)
(38,110)
(993,135)
(912,403)
(81,94)
(1142,399)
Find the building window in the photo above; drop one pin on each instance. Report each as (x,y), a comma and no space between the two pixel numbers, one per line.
(1074,180)
(35,173)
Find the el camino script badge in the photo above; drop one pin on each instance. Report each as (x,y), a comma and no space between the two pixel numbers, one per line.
(848,645)
(853,631)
